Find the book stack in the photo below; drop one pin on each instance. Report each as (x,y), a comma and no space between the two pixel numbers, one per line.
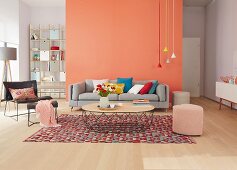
(141,102)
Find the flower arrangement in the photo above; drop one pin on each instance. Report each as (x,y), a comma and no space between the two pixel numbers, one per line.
(104,90)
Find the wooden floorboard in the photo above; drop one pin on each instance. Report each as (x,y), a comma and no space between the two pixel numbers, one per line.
(215,150)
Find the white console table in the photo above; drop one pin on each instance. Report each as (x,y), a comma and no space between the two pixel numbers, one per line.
(227,92)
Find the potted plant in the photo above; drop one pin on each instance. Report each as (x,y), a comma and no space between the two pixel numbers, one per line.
(103,91)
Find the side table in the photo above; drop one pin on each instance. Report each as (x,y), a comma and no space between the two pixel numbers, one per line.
(181,97)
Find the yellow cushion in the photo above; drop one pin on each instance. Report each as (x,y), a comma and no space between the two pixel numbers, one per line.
(118,87)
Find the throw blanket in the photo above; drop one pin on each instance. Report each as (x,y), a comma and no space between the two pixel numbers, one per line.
(46,113)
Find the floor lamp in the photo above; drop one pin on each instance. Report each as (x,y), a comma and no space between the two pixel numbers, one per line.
(6,54)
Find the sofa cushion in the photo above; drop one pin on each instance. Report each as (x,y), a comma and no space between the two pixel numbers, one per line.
(161,92)
(98,82)
(143,82)
(146,88)
(135,89)
(118,87)
(95,96)
(127,82)
(113,81)
(130,97)
(89,86)
(153,88)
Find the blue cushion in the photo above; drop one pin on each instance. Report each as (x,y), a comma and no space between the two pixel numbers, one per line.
(127,82)
(153,88)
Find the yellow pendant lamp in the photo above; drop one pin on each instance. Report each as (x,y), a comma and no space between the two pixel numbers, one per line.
(173,54)
(166,50)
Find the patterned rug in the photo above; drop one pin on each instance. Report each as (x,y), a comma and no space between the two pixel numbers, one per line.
(74,130)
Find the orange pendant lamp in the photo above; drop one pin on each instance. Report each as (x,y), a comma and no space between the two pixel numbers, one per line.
(159,64)
(165,50)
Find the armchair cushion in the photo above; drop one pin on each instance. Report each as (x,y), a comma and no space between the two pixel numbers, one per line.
(25,93)
(19,85)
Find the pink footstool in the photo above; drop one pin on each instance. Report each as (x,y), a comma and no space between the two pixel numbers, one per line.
(188,119)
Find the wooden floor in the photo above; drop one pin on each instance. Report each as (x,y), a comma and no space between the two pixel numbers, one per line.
(215,150)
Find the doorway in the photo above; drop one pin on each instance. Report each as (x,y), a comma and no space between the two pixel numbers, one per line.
(191,66)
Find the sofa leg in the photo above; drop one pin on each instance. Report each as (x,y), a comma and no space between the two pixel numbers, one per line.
(71,109)
(166,110)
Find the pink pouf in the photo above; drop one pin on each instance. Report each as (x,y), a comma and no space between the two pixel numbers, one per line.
(188,119)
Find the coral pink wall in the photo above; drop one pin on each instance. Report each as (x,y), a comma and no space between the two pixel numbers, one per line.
(119,38)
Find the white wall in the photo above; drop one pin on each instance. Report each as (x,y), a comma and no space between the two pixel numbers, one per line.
(15,17)
(9,21)
(221,43)
(194,27)
(9,30)
(24,41)
(35,15)
(48,15)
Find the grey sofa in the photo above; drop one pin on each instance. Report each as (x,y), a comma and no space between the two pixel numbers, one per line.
(82,93)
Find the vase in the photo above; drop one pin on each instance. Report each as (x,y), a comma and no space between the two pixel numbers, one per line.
(104,102)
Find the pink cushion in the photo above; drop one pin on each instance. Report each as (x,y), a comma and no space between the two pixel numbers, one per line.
(188,119)
(26,93)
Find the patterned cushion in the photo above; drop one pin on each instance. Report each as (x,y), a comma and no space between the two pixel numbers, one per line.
(26,93)
(118,87)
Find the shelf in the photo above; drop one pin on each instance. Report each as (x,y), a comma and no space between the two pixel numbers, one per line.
(58,40)
(50,40)
(47,61)
(45,50)
(34,29)
(49,35)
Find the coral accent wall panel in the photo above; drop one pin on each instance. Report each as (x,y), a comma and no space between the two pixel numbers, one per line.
(119,38)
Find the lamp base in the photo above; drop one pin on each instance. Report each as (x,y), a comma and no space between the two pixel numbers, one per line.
(6,76)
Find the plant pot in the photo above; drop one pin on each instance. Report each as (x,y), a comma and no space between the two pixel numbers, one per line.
(104,102)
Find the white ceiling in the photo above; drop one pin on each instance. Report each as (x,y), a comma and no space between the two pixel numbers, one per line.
(196,2)
(45,3)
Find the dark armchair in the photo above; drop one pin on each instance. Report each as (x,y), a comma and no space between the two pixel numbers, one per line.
(20,85)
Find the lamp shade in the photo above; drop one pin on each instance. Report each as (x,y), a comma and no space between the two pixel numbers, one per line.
(7,53)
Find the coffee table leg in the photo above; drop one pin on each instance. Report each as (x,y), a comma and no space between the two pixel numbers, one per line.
(137,121)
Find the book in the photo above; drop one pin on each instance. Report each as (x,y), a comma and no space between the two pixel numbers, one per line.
(141,101)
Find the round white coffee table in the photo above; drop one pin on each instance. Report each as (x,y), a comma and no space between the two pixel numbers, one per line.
(126,117)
